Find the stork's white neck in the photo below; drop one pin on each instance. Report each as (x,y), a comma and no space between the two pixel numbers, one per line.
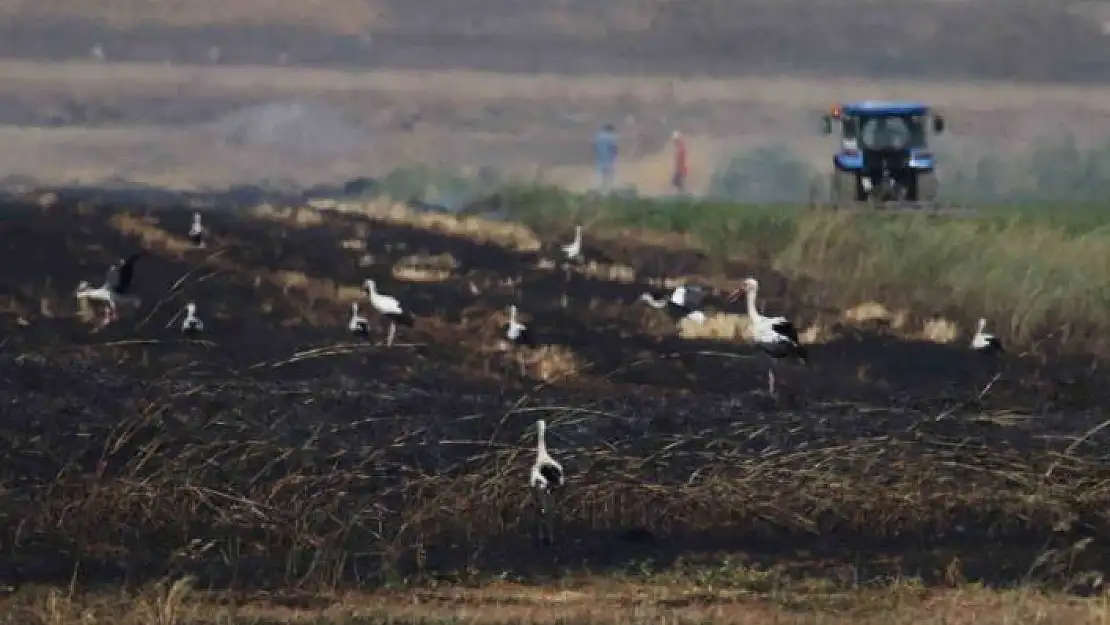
(577,236)
(752,312)
(512,315)
(541,435)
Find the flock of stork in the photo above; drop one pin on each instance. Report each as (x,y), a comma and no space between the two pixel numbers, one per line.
(775,336)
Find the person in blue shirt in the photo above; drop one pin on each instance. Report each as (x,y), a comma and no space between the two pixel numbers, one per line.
(605,149)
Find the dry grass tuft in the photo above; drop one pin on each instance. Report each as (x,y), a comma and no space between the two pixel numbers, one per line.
(723,326)
(815,333)
(152,237)
(168,604)
(611,272)
(549,363)
(297,216)
(869,314)
(940,330)
(417,274)
(421,268)
(348,294)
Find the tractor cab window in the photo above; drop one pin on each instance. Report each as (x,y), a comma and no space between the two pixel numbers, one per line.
(850,127)
(893,133)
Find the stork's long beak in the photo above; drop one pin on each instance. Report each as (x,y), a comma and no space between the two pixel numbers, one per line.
(735,295)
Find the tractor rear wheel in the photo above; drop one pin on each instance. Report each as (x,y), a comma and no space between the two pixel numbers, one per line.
(845,188)
(927,186)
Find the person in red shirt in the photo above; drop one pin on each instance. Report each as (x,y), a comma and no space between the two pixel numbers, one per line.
(678,178)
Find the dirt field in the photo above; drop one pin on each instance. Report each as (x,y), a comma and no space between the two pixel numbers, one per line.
(204,94)
(1034,41)
(276,448)
(195,126)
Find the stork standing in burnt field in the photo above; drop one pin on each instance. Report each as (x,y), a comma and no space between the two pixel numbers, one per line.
(192,324)
(684,302)
(116,289)
(197,232)
(516,332)
(984,342)
(389,308)
(775,336)
(573,251)
(358,324)
(547,476)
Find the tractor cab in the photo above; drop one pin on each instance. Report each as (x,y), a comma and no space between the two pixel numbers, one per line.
(884,150)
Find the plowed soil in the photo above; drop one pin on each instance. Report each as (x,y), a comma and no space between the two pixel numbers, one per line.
(278,448)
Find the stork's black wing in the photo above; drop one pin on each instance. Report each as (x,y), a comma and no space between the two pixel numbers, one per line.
(552,474)
(524,337)
(695,295)
(120,274)
(785,328)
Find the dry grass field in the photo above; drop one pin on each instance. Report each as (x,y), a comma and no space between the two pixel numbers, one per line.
(584,601)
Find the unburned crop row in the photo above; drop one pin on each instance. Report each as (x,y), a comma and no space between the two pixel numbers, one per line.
(1032,271)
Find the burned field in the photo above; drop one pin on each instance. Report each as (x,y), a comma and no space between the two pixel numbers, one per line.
(277,449)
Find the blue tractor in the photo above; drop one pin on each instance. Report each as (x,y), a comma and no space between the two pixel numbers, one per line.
(884,154)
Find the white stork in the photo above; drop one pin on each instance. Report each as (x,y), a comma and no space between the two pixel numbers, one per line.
(547,475)
(985,342)
(192,324)
(196,232)
(776,336)
(358,324)
(115,289)
(683,303)
(389,308)
(516,332)
(572,253)
(573,250)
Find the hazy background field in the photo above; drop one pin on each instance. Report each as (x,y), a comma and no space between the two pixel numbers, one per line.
(173,92)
